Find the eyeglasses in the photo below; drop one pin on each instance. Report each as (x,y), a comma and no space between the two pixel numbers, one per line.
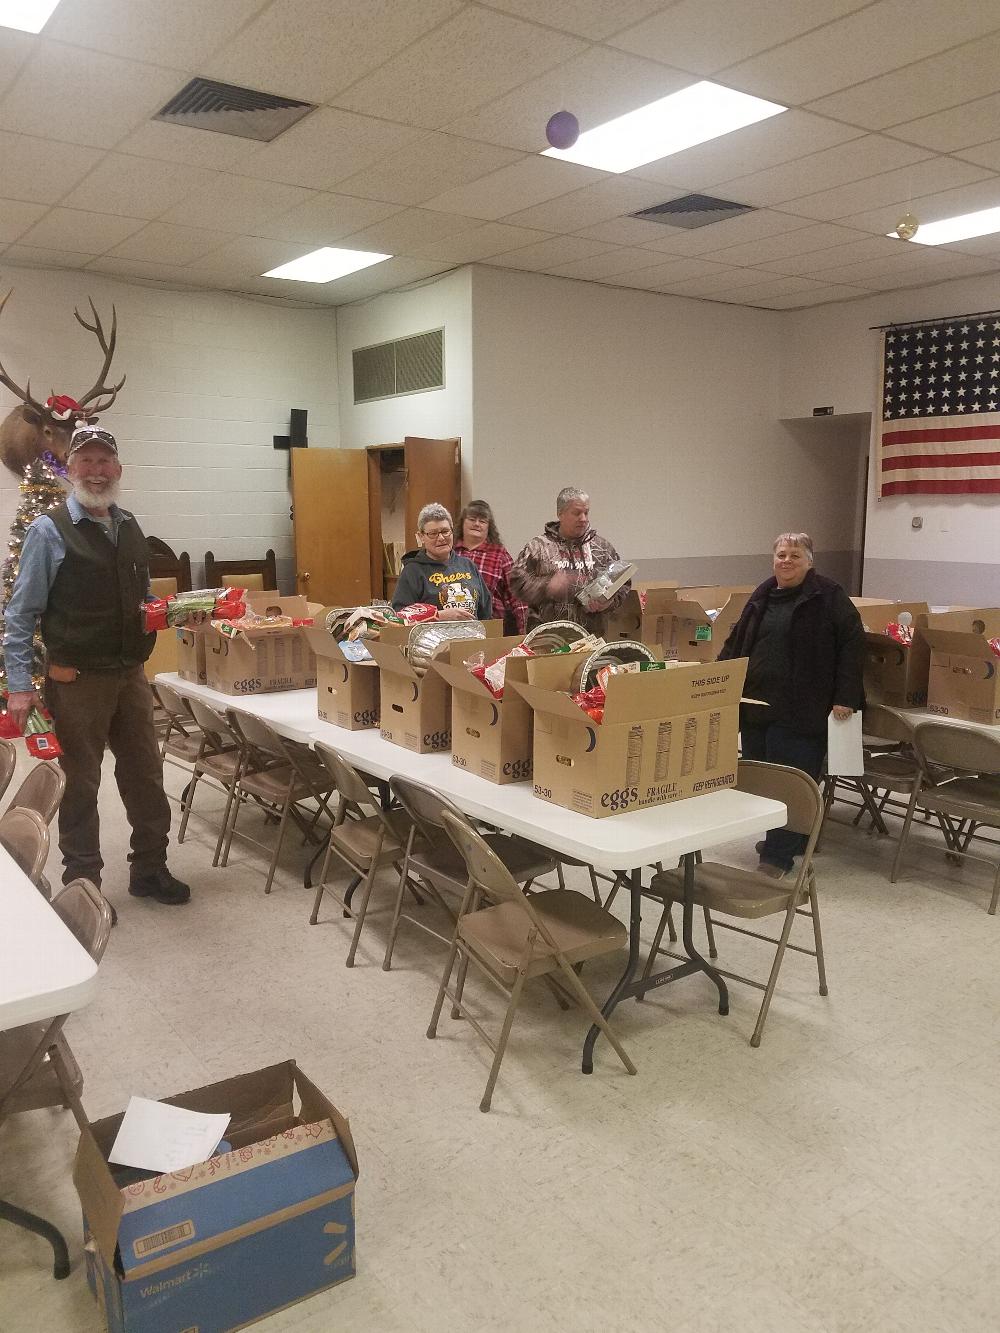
(435,534)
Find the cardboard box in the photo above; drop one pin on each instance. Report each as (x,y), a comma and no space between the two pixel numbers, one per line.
(964,677)
(895,673)
(191,660)
(666,735)
(876,613)
(683,628)
(221,1244)
(264,660)
(347,692)
(626,621)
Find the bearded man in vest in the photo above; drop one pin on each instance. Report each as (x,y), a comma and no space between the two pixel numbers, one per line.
(84,571)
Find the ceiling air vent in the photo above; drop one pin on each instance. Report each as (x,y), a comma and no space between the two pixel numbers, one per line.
(694,210)
(204,104)
(408,365)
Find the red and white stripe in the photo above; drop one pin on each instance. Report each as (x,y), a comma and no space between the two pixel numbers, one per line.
(942,456)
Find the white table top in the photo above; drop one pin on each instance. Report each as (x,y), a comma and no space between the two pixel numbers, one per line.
(44,970)
(620,842)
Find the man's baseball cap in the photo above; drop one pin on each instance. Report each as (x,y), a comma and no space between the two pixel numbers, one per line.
(91,435)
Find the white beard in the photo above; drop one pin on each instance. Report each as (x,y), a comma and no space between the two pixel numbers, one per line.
(96,500)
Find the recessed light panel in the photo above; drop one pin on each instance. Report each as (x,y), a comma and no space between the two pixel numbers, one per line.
(960,228)
(696,114)
(325,265)
(26,15)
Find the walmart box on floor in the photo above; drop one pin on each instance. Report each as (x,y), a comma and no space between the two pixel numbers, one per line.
(416,708)
(347,692)
(491,737)
(259,661)
(666,735)
(964,680)
(221,1244)
(894,673)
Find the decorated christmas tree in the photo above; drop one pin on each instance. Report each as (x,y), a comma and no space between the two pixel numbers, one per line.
(41,490)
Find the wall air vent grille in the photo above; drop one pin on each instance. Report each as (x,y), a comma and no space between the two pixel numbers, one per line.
(407,365)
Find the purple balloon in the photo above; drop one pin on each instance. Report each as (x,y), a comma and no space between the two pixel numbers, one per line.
(563,130)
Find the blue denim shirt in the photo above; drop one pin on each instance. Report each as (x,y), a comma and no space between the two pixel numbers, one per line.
(42,552)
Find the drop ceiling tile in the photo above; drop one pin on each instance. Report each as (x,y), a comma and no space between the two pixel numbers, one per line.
(167,243)
(137,268)
(717,235)
(471,59)
(852,161)
(605,267)
(928,207)
(776,287)
(960,127)
(123,93)
(596,85)
(819,296)
(229,203)
(493,238)
(73,229)
(247,257)
(530,181)
(33,256)
(406,232)
(195,148)
(930,85)
(17,216)
(41,170)
(723,279)
(326,146)
(708,35)
(324,219)
(387,277)
(136,186)
(984,154)
(15,48)
(876,40)
(814,262)
(601,201)
(894,187)
(426,167)
(661,275)
(783,138)
(551,253)
(785,244)
(313,49)
(625,231)
(911,265)
(180,34)
(594,19)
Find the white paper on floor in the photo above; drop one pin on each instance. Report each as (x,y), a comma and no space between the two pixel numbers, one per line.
(157,1137)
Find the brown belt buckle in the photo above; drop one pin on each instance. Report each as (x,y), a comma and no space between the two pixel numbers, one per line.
(65,675)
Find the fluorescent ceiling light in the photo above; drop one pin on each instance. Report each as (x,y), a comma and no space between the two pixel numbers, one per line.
(696,114)
(325,265)
(984,222)
(26,15)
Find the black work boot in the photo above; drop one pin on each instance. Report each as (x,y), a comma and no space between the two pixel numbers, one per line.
(161,885)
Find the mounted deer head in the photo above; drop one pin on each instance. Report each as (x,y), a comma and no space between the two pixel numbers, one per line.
(34,428)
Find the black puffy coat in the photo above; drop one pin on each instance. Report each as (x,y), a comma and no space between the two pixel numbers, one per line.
(825,645)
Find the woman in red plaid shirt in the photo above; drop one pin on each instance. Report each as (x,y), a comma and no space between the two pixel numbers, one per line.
(478,539)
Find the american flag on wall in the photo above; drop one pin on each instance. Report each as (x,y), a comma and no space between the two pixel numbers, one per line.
(939,432)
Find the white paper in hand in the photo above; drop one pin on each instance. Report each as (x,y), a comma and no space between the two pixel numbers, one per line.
(157,1137)
(845,756)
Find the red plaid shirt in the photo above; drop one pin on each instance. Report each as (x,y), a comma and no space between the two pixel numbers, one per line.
(494,563)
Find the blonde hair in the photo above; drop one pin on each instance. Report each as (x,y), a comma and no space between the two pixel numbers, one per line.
(795,539)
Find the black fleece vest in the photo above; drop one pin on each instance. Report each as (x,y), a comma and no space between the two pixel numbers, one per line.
(92,619)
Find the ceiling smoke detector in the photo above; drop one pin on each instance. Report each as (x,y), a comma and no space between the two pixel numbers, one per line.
(204,104)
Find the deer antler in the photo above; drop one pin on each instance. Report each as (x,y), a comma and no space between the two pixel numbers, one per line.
(108,348)
(23,394)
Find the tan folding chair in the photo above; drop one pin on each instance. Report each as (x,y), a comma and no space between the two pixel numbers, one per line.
(8,762)
(520,937)
(890,766)
(25,835)
(181,737)
(41,790)
(281,776)
(959,767)
(432,857)
(220,754)
(364,842)
(749,895)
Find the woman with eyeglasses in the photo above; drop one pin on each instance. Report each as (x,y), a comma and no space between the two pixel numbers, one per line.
(434,574)
(479,539)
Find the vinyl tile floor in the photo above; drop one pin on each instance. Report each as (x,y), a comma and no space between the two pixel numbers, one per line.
(842,1177)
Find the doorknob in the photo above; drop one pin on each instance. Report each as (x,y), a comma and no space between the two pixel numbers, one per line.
(304,577)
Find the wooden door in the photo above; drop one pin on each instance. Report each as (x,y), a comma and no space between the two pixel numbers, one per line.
(433,472)
(330,521)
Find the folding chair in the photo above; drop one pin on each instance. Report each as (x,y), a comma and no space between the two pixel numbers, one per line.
(25,835)
(41,791)
(749,895)
(958,784)
(280,775)
(890,766)
(520,937)
(8,762)
(431,855)
(364,842)
(181,737)
(37,1067)
(220,753)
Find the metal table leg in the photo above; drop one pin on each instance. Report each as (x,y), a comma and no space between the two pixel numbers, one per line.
(30,1222)
(624,986)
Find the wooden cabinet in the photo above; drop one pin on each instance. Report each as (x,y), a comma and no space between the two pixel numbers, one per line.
(347,502)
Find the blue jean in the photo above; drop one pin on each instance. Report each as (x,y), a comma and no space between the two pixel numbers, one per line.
(777,744)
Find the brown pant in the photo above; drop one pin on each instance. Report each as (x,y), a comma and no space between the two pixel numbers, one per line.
(115,709)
